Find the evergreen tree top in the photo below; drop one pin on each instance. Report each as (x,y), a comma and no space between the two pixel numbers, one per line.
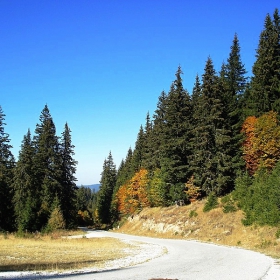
(5,153)
(196,89)
(4,136)
(46,122)
(209,78)
(265,84)
(178,83)
(148,125)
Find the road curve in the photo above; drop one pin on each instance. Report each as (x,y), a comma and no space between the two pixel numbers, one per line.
(184,260)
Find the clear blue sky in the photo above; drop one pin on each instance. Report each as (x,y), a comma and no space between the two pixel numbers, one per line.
(101,65)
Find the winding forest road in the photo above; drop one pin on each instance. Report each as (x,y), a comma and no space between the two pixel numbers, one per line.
(182,260)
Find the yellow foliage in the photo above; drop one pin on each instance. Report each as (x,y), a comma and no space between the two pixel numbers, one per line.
(192,191)
(134,195)
(56,220)
(261,147)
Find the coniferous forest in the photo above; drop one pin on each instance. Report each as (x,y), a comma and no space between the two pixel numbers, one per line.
(222,139)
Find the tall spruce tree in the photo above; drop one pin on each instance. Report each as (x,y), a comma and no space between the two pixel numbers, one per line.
(7,163)
(196,93)
(233,83)
(26,196)
(105,194)
(157,134)
(210,162)
(68,179)
(228,137)
(138,153)
(121,178)
(47,165)
(195,100)
(126,171)
(176,134)
(265,84)
(148,145)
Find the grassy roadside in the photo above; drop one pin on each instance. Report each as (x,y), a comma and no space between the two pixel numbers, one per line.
(190,222)
(54,252)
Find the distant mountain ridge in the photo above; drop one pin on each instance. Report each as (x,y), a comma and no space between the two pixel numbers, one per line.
(93,187)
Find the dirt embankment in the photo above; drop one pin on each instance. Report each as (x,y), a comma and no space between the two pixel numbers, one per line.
(190,222)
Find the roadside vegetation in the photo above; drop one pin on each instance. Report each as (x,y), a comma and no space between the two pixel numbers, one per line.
(55,252)
(191,222)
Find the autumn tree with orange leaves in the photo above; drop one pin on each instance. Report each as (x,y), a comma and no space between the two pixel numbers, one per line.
(261,147)
(267,140)
(133,195)
(248,128)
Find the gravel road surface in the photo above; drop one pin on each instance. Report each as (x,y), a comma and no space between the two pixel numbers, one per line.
(173,259)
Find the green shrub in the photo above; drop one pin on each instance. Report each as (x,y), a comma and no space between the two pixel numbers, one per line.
(259,197)
(211,203)
(193,213)
(176,192)
(242,189)
(264,244)
(228,204)
(277,234)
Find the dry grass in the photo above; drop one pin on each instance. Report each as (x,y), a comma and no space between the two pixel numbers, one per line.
(190,222)
(56,253)
(53,252)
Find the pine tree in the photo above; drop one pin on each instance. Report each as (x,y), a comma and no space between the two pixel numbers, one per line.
(196,99)
(235,86)
(126,171)
(121,178)
(157,134)
(176,128)
(68,195)
(47,165)
(276,77)
(148,145)
(105,194)
(210,162)
(26,196)
(7,163)
(265,87)
(138,153)
(233,83)
(235,74)
(196,93)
